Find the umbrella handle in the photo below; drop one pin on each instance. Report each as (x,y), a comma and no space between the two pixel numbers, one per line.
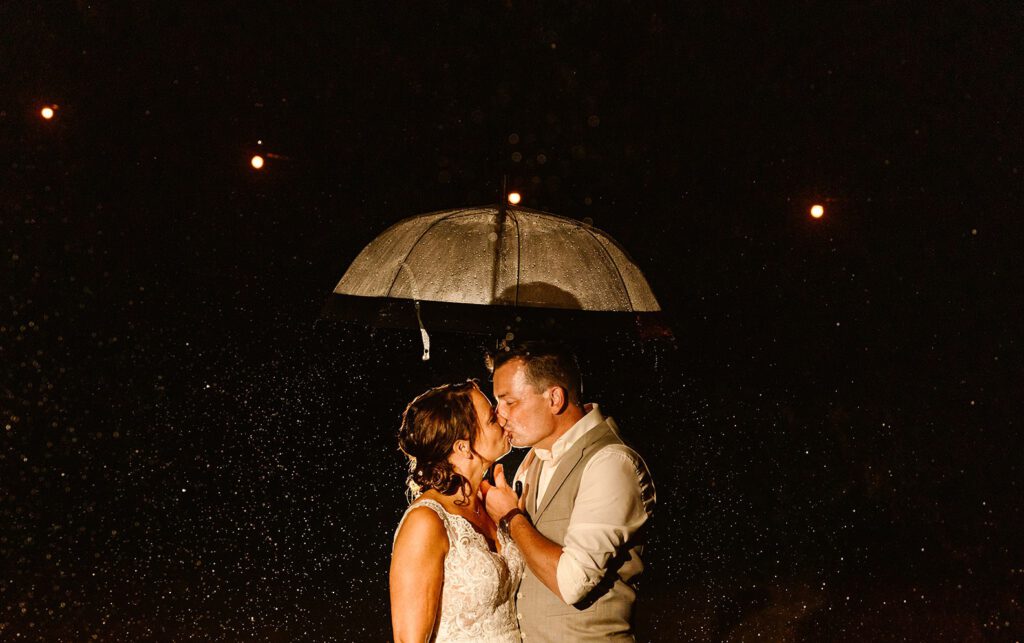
(424,337)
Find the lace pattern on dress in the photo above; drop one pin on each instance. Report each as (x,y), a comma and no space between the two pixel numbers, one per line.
(477,599)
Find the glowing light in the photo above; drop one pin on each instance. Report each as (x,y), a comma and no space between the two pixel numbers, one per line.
(47,112)
(817,211)
(514,198)
(257,162)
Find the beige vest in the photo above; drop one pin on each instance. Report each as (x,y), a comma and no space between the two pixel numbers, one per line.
(606,614)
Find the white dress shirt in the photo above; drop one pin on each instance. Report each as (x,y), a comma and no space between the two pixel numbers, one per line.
(615,498)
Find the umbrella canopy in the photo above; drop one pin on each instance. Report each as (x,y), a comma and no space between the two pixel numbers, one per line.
(478,256)
(487,264)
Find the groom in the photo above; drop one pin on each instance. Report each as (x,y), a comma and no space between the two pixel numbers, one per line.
(585,501)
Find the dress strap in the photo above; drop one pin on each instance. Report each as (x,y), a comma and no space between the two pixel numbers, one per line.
(432,504)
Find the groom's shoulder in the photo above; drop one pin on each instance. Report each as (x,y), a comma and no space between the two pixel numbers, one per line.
(618,451)
(613,451)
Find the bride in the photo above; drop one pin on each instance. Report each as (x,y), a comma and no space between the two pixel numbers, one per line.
(453,571)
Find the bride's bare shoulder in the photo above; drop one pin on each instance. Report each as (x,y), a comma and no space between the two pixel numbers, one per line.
(422,529)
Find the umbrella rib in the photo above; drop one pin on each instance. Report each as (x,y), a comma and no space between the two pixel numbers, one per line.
(625,289)
(413,247)
(519,253)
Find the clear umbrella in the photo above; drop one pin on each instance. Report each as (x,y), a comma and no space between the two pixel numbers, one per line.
(489,268)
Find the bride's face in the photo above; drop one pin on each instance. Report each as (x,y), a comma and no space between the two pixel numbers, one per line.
(490,441)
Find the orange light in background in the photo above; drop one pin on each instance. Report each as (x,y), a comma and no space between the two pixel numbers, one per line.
(514,198)
(817,211)
(257,162)
(47,112)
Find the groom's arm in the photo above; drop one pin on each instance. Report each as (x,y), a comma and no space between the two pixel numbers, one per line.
(614,501)
(541,555)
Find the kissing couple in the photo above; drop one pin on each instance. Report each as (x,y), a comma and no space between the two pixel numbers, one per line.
(557,562)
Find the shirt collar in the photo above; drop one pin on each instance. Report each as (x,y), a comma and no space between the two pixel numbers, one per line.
(564,443)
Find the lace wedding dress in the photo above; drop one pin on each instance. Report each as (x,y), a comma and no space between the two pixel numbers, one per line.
(477,600)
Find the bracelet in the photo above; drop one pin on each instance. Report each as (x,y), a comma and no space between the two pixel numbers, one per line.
(507,518)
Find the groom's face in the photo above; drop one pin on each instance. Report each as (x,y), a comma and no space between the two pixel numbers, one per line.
(525,412)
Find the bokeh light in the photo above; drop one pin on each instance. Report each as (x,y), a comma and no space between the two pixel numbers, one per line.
(257,162)
(514,198)
(817,211)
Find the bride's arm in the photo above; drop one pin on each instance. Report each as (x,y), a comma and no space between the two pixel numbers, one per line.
(417,574)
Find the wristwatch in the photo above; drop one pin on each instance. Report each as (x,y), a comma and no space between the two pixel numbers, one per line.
(507,518)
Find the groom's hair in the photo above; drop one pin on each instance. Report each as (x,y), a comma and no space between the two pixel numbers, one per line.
(547,364)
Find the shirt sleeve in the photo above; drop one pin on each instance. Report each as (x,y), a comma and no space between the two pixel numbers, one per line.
(614,500)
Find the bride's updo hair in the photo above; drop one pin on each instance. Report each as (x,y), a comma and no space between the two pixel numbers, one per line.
(430,426)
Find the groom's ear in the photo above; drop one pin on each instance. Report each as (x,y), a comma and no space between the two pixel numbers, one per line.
(557,399)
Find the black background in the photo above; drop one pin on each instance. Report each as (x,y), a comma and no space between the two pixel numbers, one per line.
(188,455)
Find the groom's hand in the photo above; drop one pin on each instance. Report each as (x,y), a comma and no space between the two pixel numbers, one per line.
(499,498)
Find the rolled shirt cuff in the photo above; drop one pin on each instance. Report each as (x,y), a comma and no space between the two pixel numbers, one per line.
(575,580)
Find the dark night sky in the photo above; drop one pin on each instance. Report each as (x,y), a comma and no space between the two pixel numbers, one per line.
(834,437)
